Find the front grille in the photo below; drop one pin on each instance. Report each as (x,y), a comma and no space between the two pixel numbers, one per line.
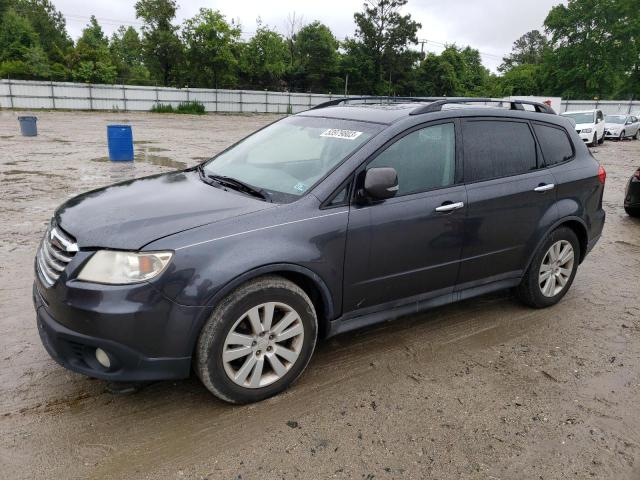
(55,252)
(578,131)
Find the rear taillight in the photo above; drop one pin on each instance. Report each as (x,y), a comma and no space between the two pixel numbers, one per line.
(602,175)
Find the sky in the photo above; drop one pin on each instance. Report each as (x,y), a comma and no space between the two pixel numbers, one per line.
(490,26)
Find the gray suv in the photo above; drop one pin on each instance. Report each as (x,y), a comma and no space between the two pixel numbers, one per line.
(337,218)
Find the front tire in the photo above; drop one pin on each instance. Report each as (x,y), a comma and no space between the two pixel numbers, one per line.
(601,141)
(258,341)
(594,142)
(621,137)
(552,270)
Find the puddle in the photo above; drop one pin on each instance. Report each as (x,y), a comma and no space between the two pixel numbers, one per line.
(200,159)
(152,159)
(7,136)
(142,142)
(155,149)
(59,140)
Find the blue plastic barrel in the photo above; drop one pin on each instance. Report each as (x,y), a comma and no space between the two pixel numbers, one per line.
(28,126)
(120,141)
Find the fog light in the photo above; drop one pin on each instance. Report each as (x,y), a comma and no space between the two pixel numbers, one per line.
(102,358)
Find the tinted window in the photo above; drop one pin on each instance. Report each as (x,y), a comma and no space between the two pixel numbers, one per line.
(497,149)
(555,145)
(424,159)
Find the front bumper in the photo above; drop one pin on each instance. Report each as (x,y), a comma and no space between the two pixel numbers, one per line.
(613,135)
(586,137)
(146,336)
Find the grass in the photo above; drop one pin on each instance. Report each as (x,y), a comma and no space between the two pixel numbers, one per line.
(193,108)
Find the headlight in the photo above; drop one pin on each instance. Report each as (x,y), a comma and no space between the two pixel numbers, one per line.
(109,266)
(586,130)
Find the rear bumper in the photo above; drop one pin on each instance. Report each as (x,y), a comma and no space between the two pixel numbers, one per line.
(76,350)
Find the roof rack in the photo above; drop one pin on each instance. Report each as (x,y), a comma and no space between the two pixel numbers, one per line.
(338,101)
(435,104)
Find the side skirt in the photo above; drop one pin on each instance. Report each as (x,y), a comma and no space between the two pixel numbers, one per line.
(342,324)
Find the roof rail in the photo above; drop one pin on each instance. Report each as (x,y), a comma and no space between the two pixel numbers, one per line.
(437,104)
(338,101)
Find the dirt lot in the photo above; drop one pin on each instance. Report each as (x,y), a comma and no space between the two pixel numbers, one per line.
(485,389)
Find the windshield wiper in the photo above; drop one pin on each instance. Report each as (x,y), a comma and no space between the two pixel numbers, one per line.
(239,185)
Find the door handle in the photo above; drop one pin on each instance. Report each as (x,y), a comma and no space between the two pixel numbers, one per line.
(449,207)
(544,188)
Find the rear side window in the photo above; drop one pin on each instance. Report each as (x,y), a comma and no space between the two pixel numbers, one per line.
(494,148)
(555,144)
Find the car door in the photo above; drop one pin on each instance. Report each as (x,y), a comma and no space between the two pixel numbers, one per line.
(510,200)
(408,247)
(633,127)
(599,124)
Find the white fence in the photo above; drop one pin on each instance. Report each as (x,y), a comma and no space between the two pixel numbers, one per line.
(28,95)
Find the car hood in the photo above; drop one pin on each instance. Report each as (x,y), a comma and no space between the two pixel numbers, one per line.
(582,126)
(614,126)
(131,214)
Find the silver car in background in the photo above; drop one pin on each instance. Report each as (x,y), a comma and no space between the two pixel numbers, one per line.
(622,126)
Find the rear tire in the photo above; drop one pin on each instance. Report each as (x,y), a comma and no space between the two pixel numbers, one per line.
(635,137)
(258,341)
(548,279)
(632,211)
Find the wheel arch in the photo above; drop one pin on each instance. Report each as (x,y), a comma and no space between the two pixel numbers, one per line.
(309,281)
(577,225)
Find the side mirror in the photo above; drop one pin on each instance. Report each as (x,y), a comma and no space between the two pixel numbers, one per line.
(381,183)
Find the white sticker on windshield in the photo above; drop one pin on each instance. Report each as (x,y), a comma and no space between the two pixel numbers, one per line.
(301,187)
(343,134)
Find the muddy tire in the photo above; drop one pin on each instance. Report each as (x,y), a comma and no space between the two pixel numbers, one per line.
(258,341)
(552,270)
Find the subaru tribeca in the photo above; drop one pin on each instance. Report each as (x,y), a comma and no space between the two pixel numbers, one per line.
(340,217)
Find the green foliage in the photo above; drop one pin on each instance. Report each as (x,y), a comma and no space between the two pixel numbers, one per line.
(264,59)
(125,49)
(91,58)
(382,41)
(161,46)
(316,60)
(21,55)
(590,48)
(192,108)
(454,73)
(529,49)
(595,47)
(211,50)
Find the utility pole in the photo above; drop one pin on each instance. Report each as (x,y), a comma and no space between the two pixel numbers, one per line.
(346,85)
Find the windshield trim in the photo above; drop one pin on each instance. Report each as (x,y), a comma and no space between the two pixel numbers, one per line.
(201,166)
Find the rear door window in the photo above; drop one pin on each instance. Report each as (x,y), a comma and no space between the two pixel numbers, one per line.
(555,144)
(497,148)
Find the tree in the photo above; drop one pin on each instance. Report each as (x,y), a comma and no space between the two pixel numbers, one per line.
(529,49)
(264,59)
(524,79)
(126,56)
(384,35)
(593,42)
(21,55)
(161,46)
(316,58)
(51,27)
(91,59)
(211,50)
(454,73)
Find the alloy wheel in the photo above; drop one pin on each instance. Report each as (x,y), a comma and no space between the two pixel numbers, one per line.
(263,344)
(556,268)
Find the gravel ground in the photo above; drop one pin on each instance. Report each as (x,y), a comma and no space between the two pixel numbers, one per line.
(484,389)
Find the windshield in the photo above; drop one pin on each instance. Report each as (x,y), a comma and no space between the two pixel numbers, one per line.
(580,117)
(615,119)
(288,157)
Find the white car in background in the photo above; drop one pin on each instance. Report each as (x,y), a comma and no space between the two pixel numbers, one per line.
(621,126)
(589,125)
